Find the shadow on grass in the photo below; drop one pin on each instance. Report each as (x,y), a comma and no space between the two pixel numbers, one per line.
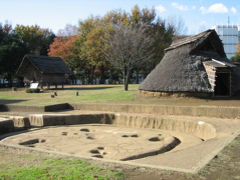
(10,101)
(220,98)
(83,88)
(227,98)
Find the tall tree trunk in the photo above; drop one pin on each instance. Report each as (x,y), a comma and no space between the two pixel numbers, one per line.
(10,80)
(102,80)
(137,76)
(126,78)
(102,76)
(126,85)
(91,76)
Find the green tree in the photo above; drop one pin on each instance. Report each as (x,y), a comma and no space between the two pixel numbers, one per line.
(36,39)
(15,43)
(158,29)
(11,52)
(90,44)
(155,28)
(129,47)
(236,56)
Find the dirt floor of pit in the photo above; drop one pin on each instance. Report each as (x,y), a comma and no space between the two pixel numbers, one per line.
(192,153)
(105,141)
(189,156)
(225,166)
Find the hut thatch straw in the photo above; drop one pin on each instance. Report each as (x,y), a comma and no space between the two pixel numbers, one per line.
(184,68)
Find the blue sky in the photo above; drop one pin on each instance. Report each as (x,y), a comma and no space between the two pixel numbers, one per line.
(197,15)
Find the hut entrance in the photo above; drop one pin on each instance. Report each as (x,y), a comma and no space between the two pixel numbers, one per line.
(223,85)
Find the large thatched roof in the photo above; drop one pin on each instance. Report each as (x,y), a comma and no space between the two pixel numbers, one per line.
(182,69)
(44,64)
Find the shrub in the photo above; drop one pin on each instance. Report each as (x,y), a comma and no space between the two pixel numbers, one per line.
(14,89)
(32,90)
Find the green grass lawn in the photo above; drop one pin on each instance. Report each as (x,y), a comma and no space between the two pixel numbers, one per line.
(87,94)
(32,167)
(113,94)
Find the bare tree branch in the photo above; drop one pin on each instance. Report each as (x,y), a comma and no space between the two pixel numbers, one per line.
(129,47)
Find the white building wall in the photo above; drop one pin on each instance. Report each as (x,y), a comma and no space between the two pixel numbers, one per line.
(229,34)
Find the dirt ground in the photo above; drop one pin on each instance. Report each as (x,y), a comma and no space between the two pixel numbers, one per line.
(173,149)
(225,166)
(99,141)
(186,101)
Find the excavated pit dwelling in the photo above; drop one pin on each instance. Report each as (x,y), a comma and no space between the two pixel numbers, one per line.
(182,143)
(98,141)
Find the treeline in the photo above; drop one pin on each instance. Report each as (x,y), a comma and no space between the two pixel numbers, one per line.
(117,47)
(18,41)
(90,52)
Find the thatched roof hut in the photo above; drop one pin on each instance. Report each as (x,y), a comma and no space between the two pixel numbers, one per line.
(43,69)
(195,65)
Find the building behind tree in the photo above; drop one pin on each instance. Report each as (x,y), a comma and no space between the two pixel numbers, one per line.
(230,36)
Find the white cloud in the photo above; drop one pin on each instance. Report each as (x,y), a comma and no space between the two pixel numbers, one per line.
(233,10)
(160,8)
(214,8)
(179,6)
(194,7)
(203,10)
(218,8)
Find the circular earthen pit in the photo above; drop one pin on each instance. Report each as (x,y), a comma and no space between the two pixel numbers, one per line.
(99,141)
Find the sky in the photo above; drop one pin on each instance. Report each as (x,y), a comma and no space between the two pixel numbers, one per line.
(197,15)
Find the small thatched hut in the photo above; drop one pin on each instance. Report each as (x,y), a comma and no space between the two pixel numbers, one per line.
(195,66)
(43,69)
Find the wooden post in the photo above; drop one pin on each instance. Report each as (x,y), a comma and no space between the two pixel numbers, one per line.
(230,83)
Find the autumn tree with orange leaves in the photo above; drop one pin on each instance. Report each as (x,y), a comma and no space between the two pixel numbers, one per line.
(85,52)
(238,50)
(63,47)
(236,56)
